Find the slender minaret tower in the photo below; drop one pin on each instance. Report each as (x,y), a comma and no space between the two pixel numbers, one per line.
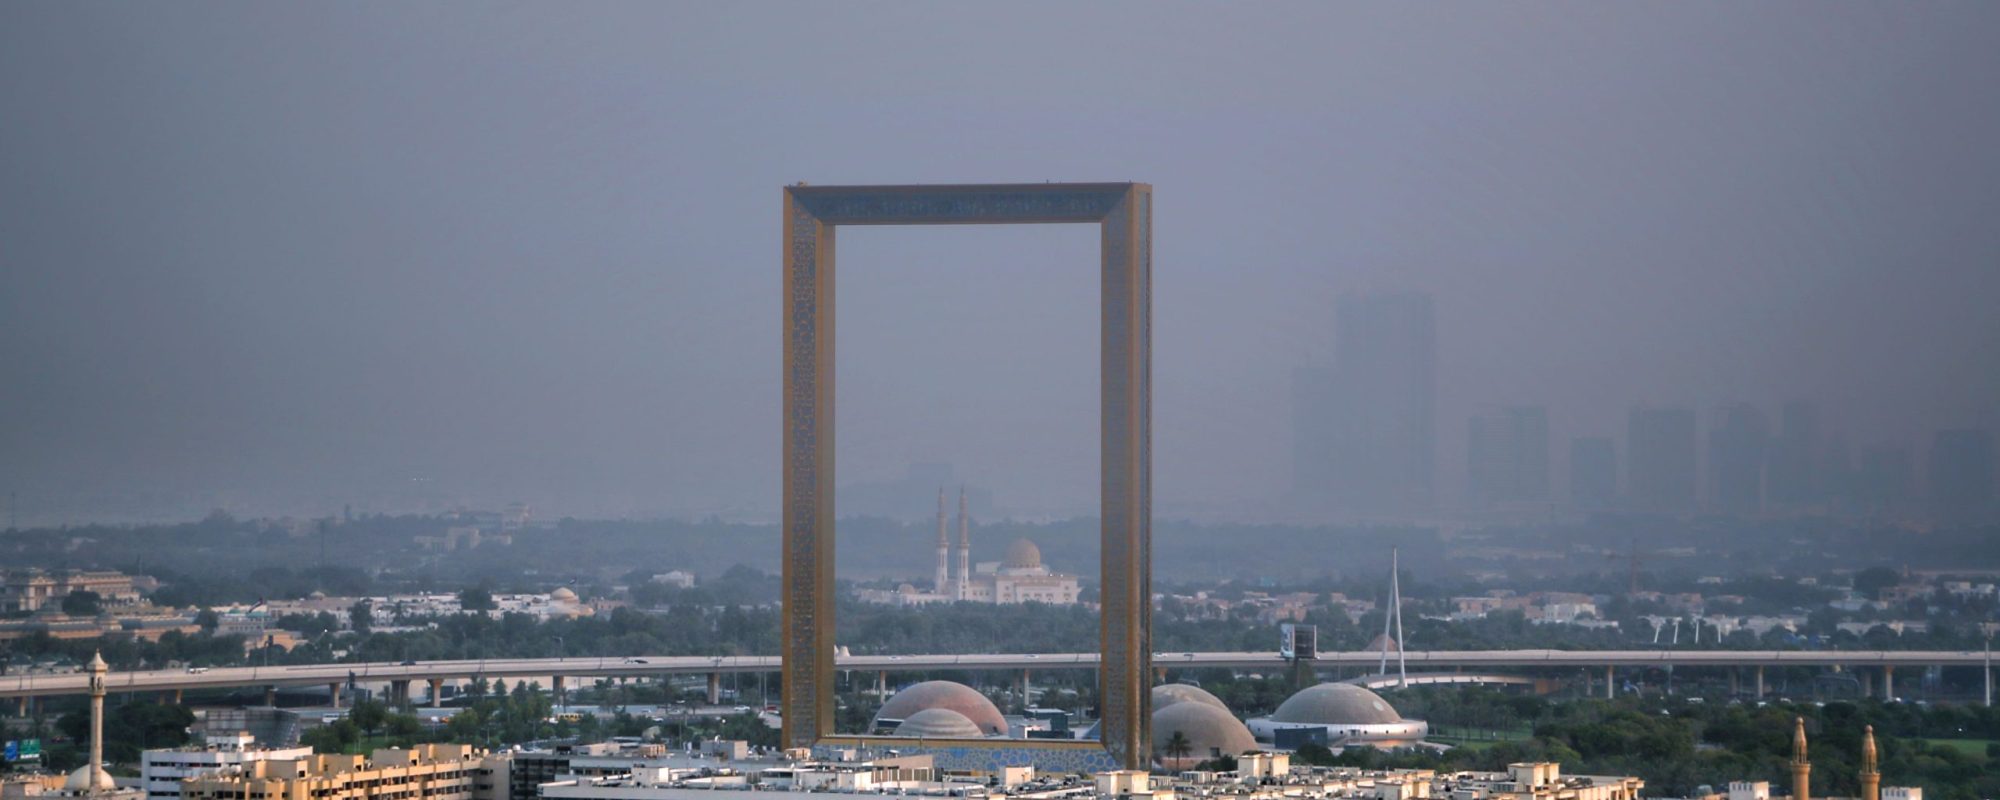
(943,548)
(1871,772)
(99,779)
(964,547)
(1801,767)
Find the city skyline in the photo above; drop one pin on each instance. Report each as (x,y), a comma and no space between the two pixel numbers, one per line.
(536,273)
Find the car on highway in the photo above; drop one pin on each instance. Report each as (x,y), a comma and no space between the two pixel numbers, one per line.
(742,709)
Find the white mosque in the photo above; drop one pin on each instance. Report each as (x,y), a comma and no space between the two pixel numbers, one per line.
(1021,578)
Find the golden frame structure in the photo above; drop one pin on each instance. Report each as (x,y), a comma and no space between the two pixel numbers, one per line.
(1124,213)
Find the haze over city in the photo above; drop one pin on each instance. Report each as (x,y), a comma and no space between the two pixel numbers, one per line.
(277,258)
(1262,401)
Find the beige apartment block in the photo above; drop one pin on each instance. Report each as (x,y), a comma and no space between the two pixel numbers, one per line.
(424,772)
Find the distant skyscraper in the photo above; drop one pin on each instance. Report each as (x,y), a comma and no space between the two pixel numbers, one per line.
(1593,471)
(1794,455)
(1738,437)
(1507,457)
(1961,473)
(1883,481)
(1834,477)
(1315,434)
(1660,461)
(1364,430)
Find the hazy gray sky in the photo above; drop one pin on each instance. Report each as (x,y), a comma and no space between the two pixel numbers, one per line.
(291,253)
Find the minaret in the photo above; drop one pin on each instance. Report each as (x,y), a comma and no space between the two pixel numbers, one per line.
(1801,767)
(943,547)
(1871,773)
(964,547)
(99,780)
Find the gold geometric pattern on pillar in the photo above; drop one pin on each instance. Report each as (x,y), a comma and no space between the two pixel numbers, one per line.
(1124,214)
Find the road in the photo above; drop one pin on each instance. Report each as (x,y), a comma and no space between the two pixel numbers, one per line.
(542,668)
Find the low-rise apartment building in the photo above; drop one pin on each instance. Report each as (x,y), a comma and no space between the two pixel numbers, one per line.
(424,772)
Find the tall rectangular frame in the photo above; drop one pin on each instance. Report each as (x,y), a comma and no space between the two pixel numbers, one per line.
(1124,213)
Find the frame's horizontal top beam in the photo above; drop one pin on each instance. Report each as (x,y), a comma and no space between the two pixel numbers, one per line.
(962,204)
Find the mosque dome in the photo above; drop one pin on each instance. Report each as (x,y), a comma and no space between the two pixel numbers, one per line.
(1209,730)
(81,779)
(938,723)
(956,697)
(1167,694)
(1023,554)
(562,594)
(1336,704)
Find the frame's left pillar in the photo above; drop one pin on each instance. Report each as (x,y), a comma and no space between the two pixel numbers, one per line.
(808,468)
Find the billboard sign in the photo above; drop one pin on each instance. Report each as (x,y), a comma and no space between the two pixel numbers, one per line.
(1298,642)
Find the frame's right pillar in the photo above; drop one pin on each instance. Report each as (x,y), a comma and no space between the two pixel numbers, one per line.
(1127,400)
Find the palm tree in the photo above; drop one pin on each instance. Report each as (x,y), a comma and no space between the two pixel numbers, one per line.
(1177,746)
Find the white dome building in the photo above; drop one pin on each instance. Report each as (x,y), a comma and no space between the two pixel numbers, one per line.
(963,701)
(1209,731)
(1338,713)
(938,723)
(1167,694)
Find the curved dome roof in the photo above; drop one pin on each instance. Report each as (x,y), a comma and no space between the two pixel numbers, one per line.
(89,778)
(1167,694)
(957,697)
(938,723)
(1023,553)
(563,594)
(1209,731)
(1336,704)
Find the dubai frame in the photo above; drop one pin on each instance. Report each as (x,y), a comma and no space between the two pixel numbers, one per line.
(1123,212)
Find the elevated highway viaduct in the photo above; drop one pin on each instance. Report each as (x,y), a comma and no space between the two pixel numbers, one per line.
(399,676)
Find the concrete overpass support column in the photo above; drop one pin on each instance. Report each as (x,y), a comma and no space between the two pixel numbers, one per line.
(1867,682)
(1610,682)
(1888,682)
(715,688)
(557,681)
(1760,681)
(271,696)
(333,692)
(1989,684)
(437,693)
(1024,689)
(175,698)
(1735,682)
(882,684)
(22,706)
(399,692)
